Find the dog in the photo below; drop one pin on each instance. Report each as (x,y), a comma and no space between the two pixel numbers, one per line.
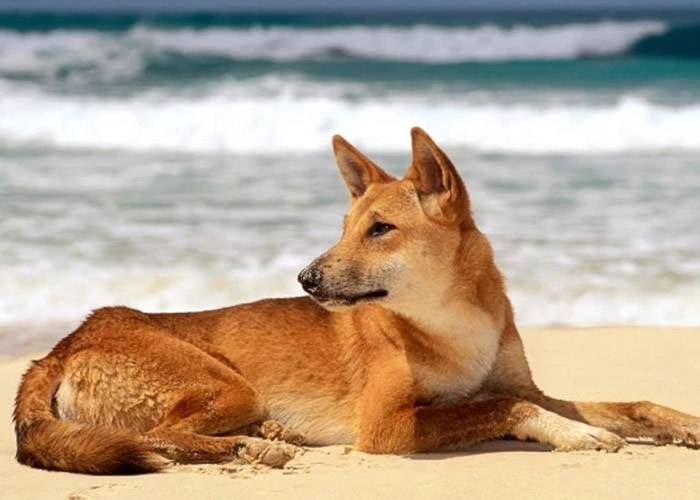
(406,343)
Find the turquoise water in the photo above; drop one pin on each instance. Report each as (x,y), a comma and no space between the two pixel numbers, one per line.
(457,50)
(163,161)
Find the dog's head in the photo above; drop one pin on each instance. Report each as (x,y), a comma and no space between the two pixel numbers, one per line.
(400,236)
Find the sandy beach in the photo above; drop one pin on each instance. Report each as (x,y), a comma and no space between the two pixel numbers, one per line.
(659,364)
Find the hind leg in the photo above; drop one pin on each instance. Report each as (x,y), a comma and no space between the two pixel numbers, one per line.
(183,447)
(189,432)
(138,377)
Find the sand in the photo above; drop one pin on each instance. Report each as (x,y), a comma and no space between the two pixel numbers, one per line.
(660,364)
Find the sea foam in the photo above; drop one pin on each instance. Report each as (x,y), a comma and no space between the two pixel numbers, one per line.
(229,120)
(122,55)
(488,42)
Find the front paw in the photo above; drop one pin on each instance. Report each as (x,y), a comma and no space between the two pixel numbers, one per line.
(564,434)
(579,437)
(682,435)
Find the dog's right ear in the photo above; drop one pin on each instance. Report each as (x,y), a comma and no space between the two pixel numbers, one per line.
(357,170)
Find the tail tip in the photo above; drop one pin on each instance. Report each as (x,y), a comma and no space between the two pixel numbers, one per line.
(142,462)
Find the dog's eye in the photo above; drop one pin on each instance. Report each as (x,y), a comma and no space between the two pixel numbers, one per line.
(380,228)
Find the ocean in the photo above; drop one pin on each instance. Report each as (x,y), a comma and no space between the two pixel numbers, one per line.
(182,161)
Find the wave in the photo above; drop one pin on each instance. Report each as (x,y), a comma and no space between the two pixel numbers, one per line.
(420,43)
(61,53)
(679,42)
(242,119)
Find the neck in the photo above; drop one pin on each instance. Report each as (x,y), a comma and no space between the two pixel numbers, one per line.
(451,348)
(452,321)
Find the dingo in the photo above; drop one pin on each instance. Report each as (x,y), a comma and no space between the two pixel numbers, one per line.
(407,344)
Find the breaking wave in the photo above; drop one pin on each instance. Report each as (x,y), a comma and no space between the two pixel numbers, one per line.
(129,53)
(246,119)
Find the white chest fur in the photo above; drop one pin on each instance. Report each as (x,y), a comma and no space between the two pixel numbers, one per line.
(472,337)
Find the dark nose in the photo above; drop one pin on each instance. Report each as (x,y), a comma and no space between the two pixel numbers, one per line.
(310,279)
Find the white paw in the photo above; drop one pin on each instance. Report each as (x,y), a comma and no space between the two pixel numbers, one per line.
(564,434)
(579,436)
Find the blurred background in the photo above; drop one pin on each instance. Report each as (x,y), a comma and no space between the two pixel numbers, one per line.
(176,155)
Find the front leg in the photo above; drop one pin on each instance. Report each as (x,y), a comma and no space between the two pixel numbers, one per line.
(639,419)
(419,429)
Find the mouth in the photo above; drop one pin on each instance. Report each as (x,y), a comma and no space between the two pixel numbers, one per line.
(351,299)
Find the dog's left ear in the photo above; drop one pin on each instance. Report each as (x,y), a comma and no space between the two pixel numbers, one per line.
(357,170)
(439,185)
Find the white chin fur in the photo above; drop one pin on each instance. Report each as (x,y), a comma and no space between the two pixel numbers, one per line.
(343,304)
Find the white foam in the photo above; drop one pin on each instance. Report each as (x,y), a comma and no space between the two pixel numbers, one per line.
(583,240)
(121,55)
(99,56)
(230,120)
(412,43)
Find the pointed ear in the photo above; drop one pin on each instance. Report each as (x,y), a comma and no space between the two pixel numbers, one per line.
(357,170)
(436,180)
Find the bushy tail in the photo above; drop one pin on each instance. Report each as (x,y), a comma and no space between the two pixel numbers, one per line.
(47,442)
